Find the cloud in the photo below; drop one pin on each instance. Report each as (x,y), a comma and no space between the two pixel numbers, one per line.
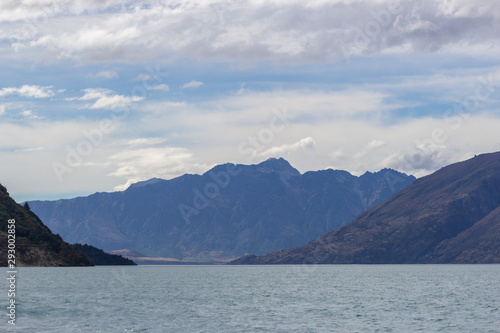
(349,128)
(29,170)
(151,82)
(283,150)
(105,98)
(146,141)
(255,106)
(143,77)
(28,91)
(139,164)
(374,144)
(372,112)
(201,134)
(285,31)
(420,160)
(31,149)
(38,12)
(192,84)
(162,87)
(26,113)
(107,74)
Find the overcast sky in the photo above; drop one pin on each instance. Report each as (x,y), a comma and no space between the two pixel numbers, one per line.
(96,95)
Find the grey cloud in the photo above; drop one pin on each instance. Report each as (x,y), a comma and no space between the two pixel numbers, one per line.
(420,160)
(289,32)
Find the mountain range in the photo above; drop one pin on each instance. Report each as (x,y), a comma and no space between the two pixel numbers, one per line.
(227,212)
(450,216)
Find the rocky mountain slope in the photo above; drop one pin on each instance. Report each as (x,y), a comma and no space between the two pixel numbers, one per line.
(451,216)
(225,213)
(35,244)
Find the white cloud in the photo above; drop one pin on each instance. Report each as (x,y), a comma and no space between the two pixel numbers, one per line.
(135,165)
(3,107)
(146,141)
(105,98)
(374,144)
(28,91)
(213,137)
(143,77)
(107,74)
(253,107)
(162,87)
(192,84)
(151,82)
(26,113)
(349,128)
(31,149)
(29,169)
(337,154)
(283,150)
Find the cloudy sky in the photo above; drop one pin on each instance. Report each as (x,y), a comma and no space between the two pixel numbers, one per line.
(96,95)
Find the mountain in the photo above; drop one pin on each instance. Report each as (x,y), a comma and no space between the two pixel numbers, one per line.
(100,258)
(35,244)
(451,216)
(229,211)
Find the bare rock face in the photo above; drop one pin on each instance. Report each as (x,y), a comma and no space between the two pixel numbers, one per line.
(225,213)
(451,216)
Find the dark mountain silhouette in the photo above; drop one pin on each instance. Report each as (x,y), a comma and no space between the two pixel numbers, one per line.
(100,258)
(35,244)
(451,216)
(225,213)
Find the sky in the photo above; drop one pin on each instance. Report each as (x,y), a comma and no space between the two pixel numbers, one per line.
(97,95)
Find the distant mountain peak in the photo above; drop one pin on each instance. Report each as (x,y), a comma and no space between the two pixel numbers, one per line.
(381,171)
(279,165)
(146,183)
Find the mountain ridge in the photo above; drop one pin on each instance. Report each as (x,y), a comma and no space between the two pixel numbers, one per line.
(444,217)
(222,214)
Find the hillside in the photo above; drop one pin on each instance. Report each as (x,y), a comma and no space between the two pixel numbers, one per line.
(225,213)
(100,258)
(451,216)
(35,244)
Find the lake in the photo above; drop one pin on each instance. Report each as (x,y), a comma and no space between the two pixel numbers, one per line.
(324,298)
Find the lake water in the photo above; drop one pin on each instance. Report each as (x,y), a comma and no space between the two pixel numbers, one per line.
(330,298)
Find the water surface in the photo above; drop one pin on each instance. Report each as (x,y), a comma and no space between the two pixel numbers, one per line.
(325,298)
